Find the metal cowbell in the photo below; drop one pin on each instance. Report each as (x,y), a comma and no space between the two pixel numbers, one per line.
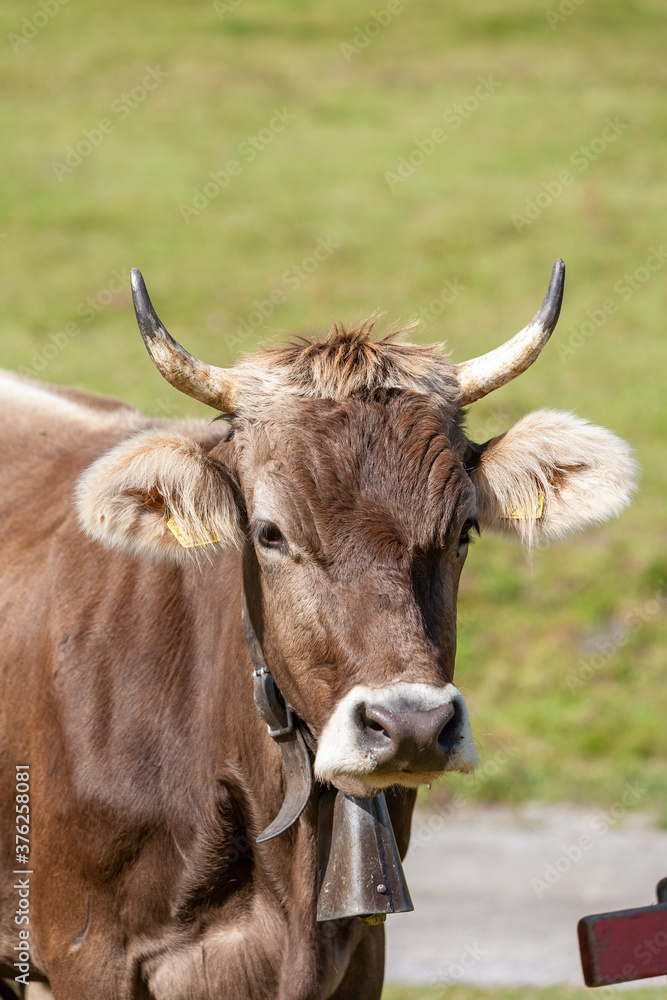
(360,870)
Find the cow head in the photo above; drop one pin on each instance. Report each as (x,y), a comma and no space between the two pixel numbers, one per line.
(349,478)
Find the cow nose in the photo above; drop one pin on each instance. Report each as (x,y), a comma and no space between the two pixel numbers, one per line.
(408,740)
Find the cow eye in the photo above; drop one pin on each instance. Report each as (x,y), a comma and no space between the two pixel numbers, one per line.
(472,524)
(271,537)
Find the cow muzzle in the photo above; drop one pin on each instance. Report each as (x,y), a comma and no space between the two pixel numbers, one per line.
(409,740)
(404,733)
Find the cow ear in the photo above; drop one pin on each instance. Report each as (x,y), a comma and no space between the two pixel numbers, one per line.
(160,494)
(549,475)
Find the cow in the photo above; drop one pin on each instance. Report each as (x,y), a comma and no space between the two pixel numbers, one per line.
(335,506)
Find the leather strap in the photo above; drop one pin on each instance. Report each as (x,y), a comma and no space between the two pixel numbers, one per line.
(285,728)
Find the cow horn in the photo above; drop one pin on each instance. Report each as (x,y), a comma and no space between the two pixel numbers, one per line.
(482,375)
(214,386)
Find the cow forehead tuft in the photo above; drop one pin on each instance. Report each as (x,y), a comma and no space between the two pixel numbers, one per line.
(349,363)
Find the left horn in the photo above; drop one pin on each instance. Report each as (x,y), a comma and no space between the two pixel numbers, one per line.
(214,386)
(482,375)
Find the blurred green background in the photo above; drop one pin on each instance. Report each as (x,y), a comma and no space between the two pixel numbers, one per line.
(460,992)
(318,121)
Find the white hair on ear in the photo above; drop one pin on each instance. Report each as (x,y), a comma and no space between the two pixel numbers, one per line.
(558,466)
(127,496)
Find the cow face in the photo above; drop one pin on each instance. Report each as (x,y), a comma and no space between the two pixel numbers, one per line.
(360,515)
(348,478)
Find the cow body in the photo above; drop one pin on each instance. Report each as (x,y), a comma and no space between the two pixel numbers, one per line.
(123,686)
(343,496)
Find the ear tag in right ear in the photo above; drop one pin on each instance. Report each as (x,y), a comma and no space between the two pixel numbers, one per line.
(521,514)
(190,541)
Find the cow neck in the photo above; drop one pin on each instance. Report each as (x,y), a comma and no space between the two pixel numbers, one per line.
(285,727)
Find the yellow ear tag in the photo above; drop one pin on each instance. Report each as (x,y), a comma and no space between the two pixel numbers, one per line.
(520,514)
(188,541)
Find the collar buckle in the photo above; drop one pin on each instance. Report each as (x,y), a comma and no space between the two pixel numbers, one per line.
(270,704)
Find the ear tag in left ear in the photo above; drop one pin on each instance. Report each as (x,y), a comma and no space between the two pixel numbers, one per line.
(190,541)
(521,514)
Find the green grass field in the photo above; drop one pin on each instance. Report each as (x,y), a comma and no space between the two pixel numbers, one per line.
(313,117)
(450,992)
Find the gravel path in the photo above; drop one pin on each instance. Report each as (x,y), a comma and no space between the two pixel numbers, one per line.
(498,892)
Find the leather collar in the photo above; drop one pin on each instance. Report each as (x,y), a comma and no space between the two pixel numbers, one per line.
(285,728)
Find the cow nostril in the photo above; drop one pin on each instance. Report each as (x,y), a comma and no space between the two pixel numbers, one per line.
(449,730)
(374,722)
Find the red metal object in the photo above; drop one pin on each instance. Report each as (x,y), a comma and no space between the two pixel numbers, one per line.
(625,945)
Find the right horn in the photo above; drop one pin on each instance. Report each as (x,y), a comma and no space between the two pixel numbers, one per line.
(214,386)
(482,375)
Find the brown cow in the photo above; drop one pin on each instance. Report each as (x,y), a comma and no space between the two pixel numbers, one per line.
(346,488)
